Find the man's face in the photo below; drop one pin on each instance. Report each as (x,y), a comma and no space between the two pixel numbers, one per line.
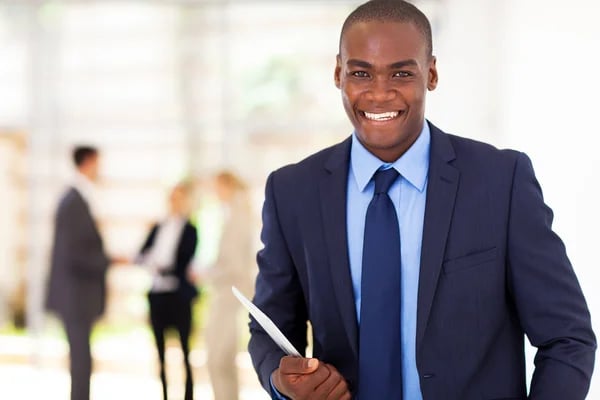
(384,72)
(93,167)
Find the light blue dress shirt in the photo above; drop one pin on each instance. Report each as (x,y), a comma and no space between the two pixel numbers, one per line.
(408,194)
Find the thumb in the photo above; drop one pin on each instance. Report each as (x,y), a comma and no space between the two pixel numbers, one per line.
(297,365)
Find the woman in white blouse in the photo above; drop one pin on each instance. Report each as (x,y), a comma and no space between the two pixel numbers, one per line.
(167,252)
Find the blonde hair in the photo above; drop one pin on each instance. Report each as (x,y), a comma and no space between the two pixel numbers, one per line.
(186,186)
(231,180)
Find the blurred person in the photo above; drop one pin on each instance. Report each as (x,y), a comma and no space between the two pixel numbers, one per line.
(77,284)
(233,267)
(167,252)
(420,258)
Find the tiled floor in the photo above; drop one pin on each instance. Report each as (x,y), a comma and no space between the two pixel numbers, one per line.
(37,369)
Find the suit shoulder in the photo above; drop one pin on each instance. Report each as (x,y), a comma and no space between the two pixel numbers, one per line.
(70,200)
(70,194)
(481,153)
(190,234)
(189,227)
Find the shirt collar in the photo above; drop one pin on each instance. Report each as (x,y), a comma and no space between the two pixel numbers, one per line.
(84,186)
(174,219)
(413,165)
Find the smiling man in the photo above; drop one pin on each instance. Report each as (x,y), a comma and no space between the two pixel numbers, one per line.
(384,81)
(421,259)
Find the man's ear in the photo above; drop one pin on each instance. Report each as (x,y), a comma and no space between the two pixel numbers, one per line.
(338,71)
(432,78)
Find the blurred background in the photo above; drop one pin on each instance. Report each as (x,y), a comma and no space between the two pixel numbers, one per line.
(179,89)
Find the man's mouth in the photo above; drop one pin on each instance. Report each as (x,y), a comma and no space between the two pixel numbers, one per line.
(385,116)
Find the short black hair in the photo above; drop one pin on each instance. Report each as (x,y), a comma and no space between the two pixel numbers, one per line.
(391,11)
(83,153)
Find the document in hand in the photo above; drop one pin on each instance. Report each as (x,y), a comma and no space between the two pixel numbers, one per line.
(268,325)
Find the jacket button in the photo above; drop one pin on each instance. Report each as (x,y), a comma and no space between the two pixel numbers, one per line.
(428,376)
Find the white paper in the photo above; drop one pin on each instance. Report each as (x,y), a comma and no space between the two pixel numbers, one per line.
(268,325)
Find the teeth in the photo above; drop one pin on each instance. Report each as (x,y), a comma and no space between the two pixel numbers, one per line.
(381,117)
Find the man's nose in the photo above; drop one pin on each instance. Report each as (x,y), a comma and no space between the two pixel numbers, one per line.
(381,91)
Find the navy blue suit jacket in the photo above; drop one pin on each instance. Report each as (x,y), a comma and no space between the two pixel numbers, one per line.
(492,270)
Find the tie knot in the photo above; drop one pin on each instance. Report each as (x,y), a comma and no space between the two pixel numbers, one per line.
(384,179)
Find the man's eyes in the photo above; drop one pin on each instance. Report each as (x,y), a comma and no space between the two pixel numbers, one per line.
(398,74)
(402,74)
(360,74)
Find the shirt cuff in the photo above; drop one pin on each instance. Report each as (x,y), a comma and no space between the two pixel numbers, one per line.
(275,395)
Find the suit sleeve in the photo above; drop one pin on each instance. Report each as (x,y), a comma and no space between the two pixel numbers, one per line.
(85,250)
(547,295)
(278,293)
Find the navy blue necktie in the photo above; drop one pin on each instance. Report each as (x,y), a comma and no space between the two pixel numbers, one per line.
(380,351)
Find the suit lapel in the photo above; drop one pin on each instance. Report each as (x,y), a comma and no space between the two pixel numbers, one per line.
(441,193)
(332,192)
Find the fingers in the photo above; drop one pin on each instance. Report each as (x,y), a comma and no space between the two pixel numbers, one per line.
(297,377)
(340,392)
(334,387)
(297,365)
(310,379)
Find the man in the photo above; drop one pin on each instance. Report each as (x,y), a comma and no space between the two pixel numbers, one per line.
(420,258)
(77,288)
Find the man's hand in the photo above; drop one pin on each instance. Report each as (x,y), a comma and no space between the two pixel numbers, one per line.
(308,378)
(120,260)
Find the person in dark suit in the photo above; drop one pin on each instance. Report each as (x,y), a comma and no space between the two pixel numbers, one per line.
(77,287)
(168,252)
(420,258)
